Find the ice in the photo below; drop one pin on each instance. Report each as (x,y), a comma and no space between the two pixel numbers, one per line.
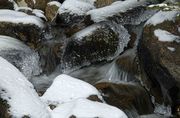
(19,17)
(83,108)
(162,16)
(166,36)
(66,88)
(20,55)
(19,93)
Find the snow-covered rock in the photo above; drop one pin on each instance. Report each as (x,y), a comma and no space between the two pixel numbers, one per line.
(72,12)
(84,108)
(19,17)
(160,63)
(66,88)
(98,42)
(19,94)
(27,28)
(115,10)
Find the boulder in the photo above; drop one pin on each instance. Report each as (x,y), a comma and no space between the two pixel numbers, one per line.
(25,27)
(124,12)
(131,98)
(73,17)
(96,43)
(159,52)
(34,4)
(52,10)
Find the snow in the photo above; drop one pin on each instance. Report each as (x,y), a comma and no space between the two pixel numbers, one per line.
(162,16)
(101,14)
(158,5)
(166,36)
(19,93)
(7,42)
(39,13)
(54,3)
(66,88)
(19,17)
(79,7)
(171,49)
(84,108)
(87,31)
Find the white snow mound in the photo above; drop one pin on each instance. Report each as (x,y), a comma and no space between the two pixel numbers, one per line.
(19,17)
(19,93)
(66,88)
(84,108)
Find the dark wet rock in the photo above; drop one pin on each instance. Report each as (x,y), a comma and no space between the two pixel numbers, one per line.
(6,4)
(103,41)
(94,98)
(30,34)
(132,99)
(161,64)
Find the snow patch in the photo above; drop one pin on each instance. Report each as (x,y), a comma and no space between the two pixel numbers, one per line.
(19,93)
(19,17)
(84,108)
(166,36)
(39,13)
(79,7)
(171,49)
(162,16)
(66,88)
(7,42)
(54,3)
(101,14)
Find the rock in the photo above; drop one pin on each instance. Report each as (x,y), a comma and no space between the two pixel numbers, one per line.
(102,3)
(6,4)
(52,10)
(4,108)
(66,89)
(159,52)
(124,12)
(73,17)
(34,4)
(25,27)
(96,43)
(132,99)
